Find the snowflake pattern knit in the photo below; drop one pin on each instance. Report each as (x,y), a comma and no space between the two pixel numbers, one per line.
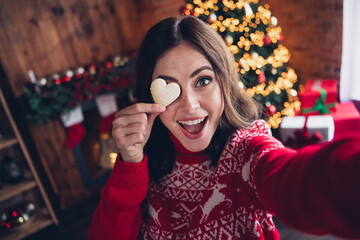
(199,201)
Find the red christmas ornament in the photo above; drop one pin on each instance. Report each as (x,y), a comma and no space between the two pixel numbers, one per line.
(266,40)
(281,37)
(261,77)
(108,65)
(270,110)
(183,11)
(92,69)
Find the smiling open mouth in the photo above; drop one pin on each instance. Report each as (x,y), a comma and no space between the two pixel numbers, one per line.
(193,126)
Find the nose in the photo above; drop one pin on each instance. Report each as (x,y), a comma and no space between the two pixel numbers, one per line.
(189,101)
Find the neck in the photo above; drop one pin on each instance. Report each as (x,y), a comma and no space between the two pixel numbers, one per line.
(184,155)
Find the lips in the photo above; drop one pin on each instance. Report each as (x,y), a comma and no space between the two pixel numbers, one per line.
(193,128)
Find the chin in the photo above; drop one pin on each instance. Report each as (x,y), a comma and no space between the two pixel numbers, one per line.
(195,146)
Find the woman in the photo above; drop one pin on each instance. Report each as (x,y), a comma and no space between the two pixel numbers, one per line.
(204,167)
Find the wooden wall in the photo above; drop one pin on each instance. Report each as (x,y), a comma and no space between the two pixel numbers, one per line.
(51,36)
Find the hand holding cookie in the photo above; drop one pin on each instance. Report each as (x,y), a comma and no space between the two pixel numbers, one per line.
(132,127)
(163,93)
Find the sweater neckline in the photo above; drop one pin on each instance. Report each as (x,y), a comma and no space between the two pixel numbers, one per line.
(185,156)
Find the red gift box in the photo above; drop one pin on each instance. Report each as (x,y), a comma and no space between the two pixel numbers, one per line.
(319,97)
(346,120)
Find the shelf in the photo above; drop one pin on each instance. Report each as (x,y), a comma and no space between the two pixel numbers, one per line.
(12,190)
(39,221)
(5,143)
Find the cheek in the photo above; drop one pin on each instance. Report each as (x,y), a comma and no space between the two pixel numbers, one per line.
(167,117)
(217,103)
(222,106)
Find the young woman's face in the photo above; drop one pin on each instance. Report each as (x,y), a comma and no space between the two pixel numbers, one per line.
(195,115)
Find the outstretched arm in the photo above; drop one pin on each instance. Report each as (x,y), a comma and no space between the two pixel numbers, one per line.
(315,189)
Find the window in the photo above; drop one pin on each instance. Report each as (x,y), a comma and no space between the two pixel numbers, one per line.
(350,66)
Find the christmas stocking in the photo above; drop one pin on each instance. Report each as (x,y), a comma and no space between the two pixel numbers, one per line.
(73,122)
(107,107)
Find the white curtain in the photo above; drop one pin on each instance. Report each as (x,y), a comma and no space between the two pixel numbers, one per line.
(350,66)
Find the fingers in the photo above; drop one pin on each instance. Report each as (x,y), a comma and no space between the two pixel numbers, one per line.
(131,128)
(141,113)
(126,141)
(128,130)
(130,141)
(137,113)
(124,120)
(141,108)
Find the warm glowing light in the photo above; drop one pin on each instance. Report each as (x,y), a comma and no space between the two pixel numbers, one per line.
(281,84)
(20,220)
(241,85)
(113,157)
(241,35)
(234,49)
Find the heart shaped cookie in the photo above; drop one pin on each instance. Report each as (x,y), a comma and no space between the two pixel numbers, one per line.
(163,93)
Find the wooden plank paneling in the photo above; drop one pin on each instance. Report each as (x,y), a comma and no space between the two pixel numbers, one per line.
(60,163)
(53,36)
(10,38)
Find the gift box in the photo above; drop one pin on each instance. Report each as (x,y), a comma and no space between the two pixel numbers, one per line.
(319,97)
(300,131)
(346,120)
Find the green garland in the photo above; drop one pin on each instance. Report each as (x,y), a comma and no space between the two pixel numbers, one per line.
(47,98)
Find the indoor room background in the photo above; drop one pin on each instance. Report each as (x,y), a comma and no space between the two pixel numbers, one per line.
(41,38)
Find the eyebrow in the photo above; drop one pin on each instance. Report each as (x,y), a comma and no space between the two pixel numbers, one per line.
(196,72)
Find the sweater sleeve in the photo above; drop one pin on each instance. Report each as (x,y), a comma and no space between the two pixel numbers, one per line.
(315,189)
(118,213)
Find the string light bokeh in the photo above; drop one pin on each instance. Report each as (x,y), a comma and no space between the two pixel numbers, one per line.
(248,28)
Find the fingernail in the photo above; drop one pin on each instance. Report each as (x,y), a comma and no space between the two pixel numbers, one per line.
(162,108)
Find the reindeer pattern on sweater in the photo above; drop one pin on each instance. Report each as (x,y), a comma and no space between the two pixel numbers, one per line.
(199,201)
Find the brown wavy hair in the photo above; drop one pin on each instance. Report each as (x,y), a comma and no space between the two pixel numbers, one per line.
(240,110)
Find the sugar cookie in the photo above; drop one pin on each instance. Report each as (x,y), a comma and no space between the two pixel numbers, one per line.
(163,93)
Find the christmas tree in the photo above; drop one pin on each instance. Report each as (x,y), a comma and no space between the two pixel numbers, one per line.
(254,38)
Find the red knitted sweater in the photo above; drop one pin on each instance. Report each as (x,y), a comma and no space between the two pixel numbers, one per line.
(316,189)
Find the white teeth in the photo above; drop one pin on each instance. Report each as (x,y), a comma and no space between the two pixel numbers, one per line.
(193,122)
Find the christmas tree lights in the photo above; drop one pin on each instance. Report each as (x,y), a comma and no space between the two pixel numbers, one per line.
(254,38)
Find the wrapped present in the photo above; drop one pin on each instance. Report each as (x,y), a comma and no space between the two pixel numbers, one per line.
(346,120)
(300,131)
(319,97)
